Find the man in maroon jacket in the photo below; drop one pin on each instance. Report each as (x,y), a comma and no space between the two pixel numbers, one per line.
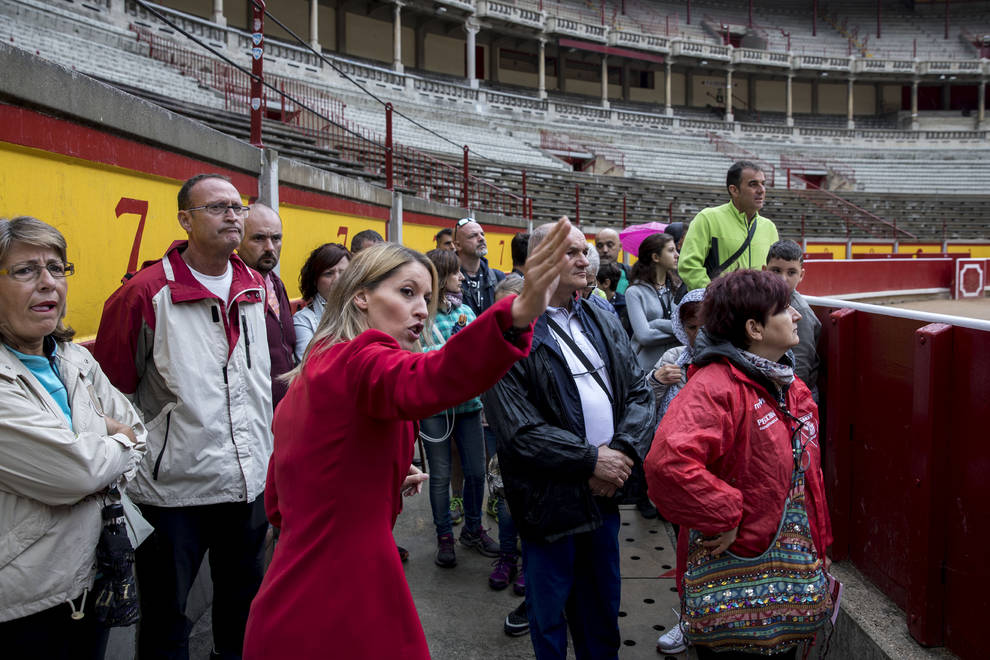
(260,249)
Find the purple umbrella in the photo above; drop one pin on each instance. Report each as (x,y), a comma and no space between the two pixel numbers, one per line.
(631,237)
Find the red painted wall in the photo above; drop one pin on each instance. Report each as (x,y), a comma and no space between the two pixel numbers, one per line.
(832,277)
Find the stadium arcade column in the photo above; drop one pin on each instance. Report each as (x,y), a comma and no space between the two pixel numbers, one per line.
(218,16)
(850,122)
(471,27)
(981,104)
(605,81)
(397,39)
(668,107)
(729,117)
(541,65)
(314,25)
(790,98)
(914,105)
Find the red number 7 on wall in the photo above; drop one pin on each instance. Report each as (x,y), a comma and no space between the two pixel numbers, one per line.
(137,207)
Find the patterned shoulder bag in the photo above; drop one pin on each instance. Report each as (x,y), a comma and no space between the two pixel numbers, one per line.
(763,604)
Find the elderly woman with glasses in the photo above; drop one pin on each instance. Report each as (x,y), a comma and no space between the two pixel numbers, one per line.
(66,436)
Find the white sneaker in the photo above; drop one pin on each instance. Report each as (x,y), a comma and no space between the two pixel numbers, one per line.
(672,641)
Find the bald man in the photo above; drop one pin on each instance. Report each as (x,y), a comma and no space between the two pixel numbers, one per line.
(480,279)
(261,248)
(608,247)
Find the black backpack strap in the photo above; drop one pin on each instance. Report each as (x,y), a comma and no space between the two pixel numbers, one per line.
(581,356)
(735,255)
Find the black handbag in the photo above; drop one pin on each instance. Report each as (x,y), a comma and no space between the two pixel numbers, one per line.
(116,602)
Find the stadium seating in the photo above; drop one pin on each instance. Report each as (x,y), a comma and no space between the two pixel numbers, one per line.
(672,166)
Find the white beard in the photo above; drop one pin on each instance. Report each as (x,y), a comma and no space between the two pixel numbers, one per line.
(482,251)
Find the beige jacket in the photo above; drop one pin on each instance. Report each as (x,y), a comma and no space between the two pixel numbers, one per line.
(50,477)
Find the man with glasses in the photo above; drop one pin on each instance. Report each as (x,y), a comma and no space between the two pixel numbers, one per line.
(185,339)
(478,287)
(571,420)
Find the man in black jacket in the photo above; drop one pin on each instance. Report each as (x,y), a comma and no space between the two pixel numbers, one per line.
(572,419)
(480,280)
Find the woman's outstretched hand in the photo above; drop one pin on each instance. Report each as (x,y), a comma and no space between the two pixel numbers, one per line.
(543,267)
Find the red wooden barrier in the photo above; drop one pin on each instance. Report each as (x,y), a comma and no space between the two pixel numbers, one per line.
(841,276)
(905,457)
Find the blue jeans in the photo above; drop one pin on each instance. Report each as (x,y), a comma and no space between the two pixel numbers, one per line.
(577,575)
(468,435)
(507,537)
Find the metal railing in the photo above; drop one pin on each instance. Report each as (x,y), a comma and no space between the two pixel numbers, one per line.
(850,214)
(735,152)
(321,116)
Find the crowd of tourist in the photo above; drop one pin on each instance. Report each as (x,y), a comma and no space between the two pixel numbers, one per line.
(215,418)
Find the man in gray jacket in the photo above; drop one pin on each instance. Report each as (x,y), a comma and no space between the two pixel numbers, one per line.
(185,339)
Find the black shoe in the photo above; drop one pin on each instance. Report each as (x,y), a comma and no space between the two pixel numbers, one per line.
(646,509)
(516,623)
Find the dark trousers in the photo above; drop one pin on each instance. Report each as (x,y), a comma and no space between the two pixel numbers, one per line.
(167,563)
(575,583)
(53,634)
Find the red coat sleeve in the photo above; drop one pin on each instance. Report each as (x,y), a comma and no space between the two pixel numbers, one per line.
(695,432)
(397,384)
(125,315)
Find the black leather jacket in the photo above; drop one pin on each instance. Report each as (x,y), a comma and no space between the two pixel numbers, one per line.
(544,457)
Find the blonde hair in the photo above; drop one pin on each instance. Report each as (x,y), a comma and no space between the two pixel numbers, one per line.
(31,231)
(342,319)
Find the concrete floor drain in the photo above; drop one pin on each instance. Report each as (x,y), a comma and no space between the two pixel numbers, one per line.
(621,613)
(658,627)
(629,642)
(658,548)
(630,540)
(649,601)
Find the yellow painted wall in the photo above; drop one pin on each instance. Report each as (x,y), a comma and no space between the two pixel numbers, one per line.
(304,229)
(838,250)
(79,197)
(420,237)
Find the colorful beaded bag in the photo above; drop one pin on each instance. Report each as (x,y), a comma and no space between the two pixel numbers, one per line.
(762,604)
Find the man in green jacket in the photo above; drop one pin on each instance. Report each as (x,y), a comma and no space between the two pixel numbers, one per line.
(722,230)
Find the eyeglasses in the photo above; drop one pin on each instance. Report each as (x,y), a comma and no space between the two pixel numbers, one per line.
(464,221)
(31,272)
(219,209)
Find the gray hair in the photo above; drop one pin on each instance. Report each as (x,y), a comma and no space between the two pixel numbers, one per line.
(594,263)
(31,231)
(537,236)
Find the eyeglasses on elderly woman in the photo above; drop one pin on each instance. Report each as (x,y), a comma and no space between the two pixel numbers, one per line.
(29,272)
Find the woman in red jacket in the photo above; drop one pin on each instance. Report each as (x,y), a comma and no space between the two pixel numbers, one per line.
(722,460)
(343,451)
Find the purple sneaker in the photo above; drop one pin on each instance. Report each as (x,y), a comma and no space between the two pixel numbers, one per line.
(505,570)
(480,541)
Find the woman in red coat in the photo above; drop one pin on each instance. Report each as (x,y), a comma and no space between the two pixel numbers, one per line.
(722,460)
(343,451)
